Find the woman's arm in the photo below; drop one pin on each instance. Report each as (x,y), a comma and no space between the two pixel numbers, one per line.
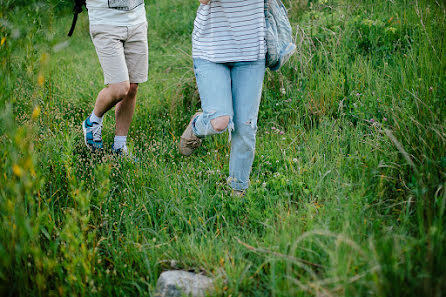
(204,1)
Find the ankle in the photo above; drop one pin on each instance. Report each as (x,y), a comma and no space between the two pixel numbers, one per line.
(119,142)
(95,119)
(238,193)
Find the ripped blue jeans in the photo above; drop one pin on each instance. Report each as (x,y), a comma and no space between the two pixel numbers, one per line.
(234,90)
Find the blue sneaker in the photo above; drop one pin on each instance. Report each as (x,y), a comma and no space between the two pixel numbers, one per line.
(92,135)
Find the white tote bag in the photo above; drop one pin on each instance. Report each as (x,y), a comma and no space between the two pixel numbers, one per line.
(279,35)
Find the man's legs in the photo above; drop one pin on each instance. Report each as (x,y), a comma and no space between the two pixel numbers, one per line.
(123,96)
(136,57)
(123,114)
(107,98)
(110,96)
(124,111)
(123,54)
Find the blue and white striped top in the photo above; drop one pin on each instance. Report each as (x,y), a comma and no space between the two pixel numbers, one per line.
(230,31)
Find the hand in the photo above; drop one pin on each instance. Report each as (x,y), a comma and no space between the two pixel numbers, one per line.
(205,2)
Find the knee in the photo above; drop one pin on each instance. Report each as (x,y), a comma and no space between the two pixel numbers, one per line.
(246,129)
(220,124)
(132,90)
(120,90)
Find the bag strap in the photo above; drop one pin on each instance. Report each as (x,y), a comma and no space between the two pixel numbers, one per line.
(73,25)
(76,10)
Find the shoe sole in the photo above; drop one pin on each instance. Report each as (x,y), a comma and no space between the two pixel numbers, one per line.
(182,152)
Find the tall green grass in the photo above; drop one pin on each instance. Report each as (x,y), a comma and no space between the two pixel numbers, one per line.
(348,185)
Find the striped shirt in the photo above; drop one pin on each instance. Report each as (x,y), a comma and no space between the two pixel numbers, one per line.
(230,31)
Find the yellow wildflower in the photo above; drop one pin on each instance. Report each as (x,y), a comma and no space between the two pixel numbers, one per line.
(17,170)
(40,79)
(36,112)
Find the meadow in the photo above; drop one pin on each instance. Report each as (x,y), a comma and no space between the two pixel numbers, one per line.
(347,193)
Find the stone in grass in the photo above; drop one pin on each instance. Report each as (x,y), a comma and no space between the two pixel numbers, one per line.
(178,283)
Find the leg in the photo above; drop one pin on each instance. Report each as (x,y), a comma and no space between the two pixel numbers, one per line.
(247,80)
(220,124)
(137,61)
(108,43)
(124,111)
(214,85)
(110,96)
(110,50)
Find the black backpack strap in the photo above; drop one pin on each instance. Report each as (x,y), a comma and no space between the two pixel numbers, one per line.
(73,25)
(76,10)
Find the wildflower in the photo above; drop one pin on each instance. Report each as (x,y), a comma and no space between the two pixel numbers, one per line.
(3,41)
(281,132)
(385,119)
(372,121)
(40,79)
(36,112)
(17,170)
(273,128)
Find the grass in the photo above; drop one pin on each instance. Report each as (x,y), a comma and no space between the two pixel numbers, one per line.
(348,185)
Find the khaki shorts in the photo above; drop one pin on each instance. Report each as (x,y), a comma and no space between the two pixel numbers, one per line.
(122,51)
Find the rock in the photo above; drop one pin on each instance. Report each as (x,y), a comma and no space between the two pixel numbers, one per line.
(178,283)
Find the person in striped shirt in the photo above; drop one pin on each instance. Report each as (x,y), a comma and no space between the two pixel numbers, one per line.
(228,50)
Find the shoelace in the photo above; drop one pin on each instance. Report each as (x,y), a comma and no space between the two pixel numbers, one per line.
(192,142)
(97,132)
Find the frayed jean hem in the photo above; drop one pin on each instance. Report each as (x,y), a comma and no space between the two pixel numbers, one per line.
(237,185)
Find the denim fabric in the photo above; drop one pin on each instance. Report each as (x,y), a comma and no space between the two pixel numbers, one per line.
(234,90)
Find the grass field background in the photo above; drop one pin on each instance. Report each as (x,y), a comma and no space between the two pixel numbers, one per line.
(348,185)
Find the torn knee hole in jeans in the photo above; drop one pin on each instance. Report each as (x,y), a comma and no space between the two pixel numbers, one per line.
(210,112)
(220,123)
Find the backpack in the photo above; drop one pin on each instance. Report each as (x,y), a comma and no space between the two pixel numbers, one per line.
(279,35)
(77,9)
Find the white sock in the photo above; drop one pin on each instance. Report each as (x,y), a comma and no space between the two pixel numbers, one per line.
(95,119)
(120,142)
